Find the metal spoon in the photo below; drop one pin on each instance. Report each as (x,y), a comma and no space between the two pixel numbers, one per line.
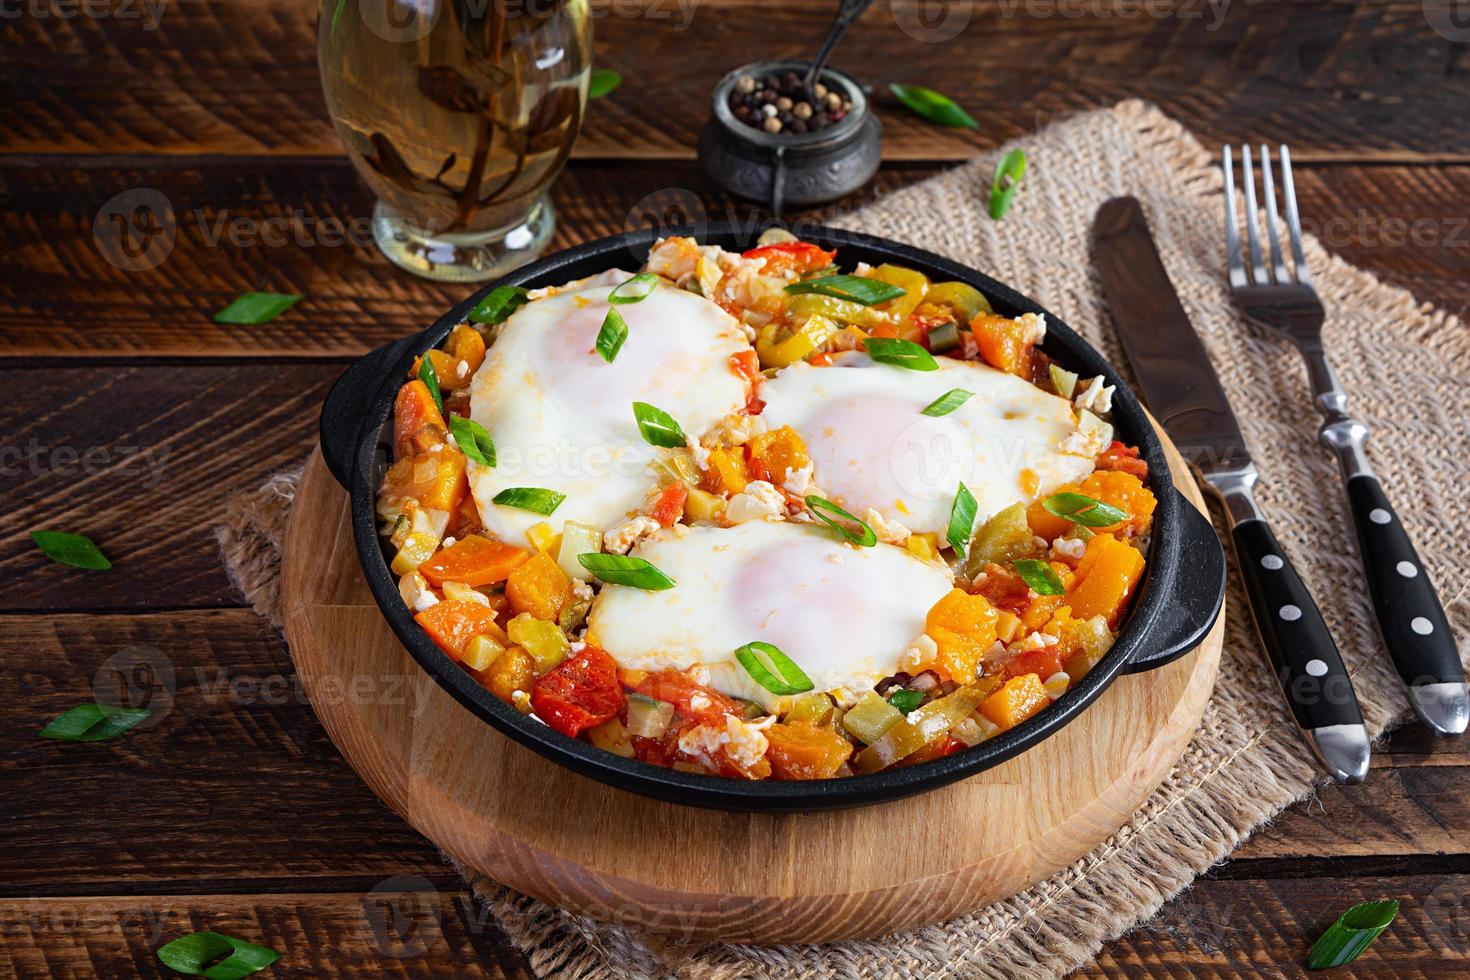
(847,12)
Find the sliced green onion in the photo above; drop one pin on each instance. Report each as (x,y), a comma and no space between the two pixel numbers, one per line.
(855,289)
(821,507)
(473,440)
(1042,578)
(906,700)
(1353,932)
(948,402)
(215,955)
(602,81)
(658,427)
(962,520)
(1082,509)
(933,106)
(900,353)
(76,550)
(430,378)
(633,290)
(250,309)
(637,573)
(1007,179)
(530,498)
(499,303)
(783,676)
(610,338)
(94,722)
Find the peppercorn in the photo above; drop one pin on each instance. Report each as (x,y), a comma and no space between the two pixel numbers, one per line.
(771,125)
(745,84)
(802,110)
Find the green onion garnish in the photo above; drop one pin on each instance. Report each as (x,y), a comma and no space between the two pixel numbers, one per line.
(961,520)
(900,353)
(215,955)
(905,700)
(933,106)
(948,402)
(633,290)
(530,498)
(94,722)
(1007,179)
(1081,509)
(1042,578)
(430,378)
(783,676)
(856,289)
(76,550)
(821,507)
(251,309)
(658,427)
(610,338)
(473,440)
(626,570)
(1353,932)
(499,303)
(602,81)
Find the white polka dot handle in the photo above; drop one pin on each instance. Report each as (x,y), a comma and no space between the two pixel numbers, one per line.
(1410,616)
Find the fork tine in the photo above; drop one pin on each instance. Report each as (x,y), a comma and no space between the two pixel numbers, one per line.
(1268,190)
(1252,236)
(1293,219)
(1232,231)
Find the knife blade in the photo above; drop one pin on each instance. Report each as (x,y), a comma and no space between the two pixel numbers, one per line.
(1182,390)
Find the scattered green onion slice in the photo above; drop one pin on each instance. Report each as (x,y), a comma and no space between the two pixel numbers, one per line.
(637,573)
(534,499)
(430,378)
(499,303)
(1353,932)
(473,440)
(1082,509)
(933,106)
(94,722)
(1042,578)
(855,289)
(900,353)
(215,955)
(602,82)
(1007,179)
(822,507)
(783,676)
(633,290)
(76,550)
(948,402)
(250,309)
(610,338)
(658,427)
(906,700)
(962,520)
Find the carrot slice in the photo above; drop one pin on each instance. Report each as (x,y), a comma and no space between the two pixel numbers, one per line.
(453,623)
(474,560)
(413,410)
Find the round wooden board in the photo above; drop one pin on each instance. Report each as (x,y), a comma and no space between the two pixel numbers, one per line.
(702,874)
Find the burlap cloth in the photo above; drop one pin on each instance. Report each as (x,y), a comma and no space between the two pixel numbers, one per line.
(1405,364)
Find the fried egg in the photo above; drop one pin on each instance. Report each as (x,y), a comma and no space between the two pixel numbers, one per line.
(872,447)
(843,614)
(562,417)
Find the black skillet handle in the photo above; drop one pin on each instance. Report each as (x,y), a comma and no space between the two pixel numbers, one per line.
(348,403)
(1196,598)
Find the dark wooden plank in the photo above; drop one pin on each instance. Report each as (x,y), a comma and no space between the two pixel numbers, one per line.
(1341,80)
(58,293)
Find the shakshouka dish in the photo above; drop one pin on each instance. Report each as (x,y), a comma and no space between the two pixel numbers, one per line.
(751,516)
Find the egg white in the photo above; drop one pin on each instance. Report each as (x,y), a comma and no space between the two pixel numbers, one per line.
(562,417)
(843,614)
(871,446)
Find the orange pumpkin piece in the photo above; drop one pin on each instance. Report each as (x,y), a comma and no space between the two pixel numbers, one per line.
(1106,577)
(963,627)
(1004,343)
(1018,699)
(514,670)
(436,479)
(803,750)
(473,560)
(538,586)
(466,344)
(453,623)
(727,473)
(413,410)
(1114,487)
(780,450)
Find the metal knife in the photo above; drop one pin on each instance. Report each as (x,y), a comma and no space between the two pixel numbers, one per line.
(1182,390)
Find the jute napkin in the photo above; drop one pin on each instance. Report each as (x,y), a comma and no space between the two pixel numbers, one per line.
(1405,364)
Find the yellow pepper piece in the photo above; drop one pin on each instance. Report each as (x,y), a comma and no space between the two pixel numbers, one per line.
(809,338)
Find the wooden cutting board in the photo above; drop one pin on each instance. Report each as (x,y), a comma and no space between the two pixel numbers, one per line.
(699,874)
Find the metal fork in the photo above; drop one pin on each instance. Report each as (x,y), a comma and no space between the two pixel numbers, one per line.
(1411,620)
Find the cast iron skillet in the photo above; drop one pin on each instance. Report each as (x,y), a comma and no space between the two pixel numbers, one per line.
(1179,599)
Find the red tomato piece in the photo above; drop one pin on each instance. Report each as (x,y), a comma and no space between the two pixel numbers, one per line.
(692,699)
(669,506)
(1123,459)
(791,257)
(1043,662)
(1005,589)
(579,693)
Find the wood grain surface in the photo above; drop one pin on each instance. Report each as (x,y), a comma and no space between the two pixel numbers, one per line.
(111,849)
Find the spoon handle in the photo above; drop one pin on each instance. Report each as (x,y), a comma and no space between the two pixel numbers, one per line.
(847,12)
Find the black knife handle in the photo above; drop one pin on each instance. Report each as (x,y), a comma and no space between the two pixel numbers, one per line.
(1305,658)
(1413,622)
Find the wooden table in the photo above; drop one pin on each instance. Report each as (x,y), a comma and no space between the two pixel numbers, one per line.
(129,415)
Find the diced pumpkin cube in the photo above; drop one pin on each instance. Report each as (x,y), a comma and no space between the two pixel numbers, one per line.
(514,670)
(1106,577)
(1018,699)
(466,344)
(436,479)
(453,623)
(1004,343)
(473,560)
(727,473)
(803,750)
(413,410)
(781,451)
(1121,490)
(538,586)
(963,627)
